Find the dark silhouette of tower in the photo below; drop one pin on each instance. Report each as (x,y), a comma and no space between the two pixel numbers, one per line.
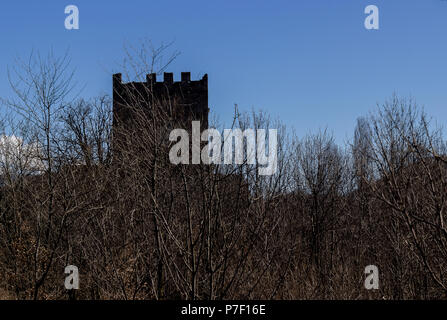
(182,101)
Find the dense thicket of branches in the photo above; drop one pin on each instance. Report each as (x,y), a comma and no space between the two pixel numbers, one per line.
(138,227)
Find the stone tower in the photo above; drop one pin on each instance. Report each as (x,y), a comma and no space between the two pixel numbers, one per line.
(183,100)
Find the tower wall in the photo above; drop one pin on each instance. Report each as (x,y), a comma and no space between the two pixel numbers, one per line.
(183,100)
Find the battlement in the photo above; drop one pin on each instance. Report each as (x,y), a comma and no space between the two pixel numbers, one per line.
(168,79)
(184,100)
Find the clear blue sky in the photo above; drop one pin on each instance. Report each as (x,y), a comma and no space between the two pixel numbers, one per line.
(310,63)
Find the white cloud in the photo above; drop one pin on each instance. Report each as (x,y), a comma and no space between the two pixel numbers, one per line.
(18,157)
